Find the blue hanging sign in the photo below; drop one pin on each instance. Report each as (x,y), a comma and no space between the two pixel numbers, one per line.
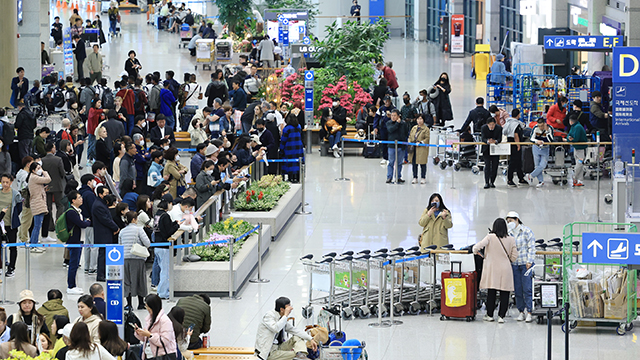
(582,42)
(115,275)
(614,248)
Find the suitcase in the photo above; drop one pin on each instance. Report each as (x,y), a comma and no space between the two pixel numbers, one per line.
(527,160)
(468,310)
(371,150)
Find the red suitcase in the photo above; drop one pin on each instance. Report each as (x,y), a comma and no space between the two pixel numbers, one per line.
(467,311)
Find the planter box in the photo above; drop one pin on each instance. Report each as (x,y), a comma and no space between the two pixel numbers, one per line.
(212,277)
(278,217)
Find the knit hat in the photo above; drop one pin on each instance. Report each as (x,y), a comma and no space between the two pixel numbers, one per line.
(211,149)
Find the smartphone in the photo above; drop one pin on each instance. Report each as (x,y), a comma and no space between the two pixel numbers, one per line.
(191,327)
(132,325)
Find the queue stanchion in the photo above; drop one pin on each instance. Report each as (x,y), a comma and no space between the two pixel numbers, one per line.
(4,275)
(453,168)
(27,265)
(395,170)
(391,296)
(171,275)
(342,178)
(598,175)
(231,277)
(303,211)
(259,279)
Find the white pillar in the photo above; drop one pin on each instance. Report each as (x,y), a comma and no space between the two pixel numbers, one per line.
(597,8)
(8,51)
(492,24)
(44,22)
(420,20)
(29,40)
(632,29)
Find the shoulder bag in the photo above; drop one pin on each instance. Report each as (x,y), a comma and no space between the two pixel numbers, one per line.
(162,357)
(505,249)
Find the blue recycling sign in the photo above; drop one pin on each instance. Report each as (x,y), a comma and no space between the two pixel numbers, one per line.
(614,248)
(582,42)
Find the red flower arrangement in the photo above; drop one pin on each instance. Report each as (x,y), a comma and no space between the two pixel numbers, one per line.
(350,95)
(251,196)
(292,88)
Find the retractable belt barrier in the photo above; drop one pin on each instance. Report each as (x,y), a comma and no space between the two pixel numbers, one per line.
(393,142)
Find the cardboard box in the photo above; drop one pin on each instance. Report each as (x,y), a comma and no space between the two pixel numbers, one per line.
(616,308)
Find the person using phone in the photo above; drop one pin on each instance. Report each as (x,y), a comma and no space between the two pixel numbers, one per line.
(435,222)
(271,342)
(197,313)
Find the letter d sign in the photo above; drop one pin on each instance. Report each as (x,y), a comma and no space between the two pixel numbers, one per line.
(624,65)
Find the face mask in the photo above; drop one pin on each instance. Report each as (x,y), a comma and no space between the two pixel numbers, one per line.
(166,147)
(436,204)
(39,162)
(406,101)
(335,103)
(177,157)
(141,143)
(39,171)
(421,98)
(209,172)
(511,225)
(144,124)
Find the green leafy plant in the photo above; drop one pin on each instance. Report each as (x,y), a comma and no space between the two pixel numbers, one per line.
(224,230)
(262,195)
(234,13)
(353,50)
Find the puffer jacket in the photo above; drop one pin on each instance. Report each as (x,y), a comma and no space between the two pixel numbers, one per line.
(92,323)
(270,325)
(162,334)
(38,201)
(51,308)
(130,235)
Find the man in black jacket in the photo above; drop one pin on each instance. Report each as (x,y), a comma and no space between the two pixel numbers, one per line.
(80,52)
(75,223)
(25,124)
(478,116)
(583,117)
(103,228)
(491,134)
(339,113)
(87,184)
(162,131)
(398,130)
(54,166)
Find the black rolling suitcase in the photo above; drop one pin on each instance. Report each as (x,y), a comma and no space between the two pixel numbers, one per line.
(527,160)
(371,150)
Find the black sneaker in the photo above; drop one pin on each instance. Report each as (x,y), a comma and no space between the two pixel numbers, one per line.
(523,182)
(487,186)
(493,185)
(389,181)
(511,184)
(11,273)
(400,181)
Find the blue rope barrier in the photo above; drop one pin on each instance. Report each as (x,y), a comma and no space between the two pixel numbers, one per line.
(280,160)
(407,259)
(393,143)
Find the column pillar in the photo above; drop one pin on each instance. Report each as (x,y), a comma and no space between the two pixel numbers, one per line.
(597,8)
(29,40)
(492,24)
(420,20)
(559,14)
(8,51)
(632,28)
(45,32)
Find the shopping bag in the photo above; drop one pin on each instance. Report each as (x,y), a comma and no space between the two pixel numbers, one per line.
(499,149)
(456,289)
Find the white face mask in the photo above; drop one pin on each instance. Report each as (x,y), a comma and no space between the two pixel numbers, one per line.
(144,124)
(141,143)
(177,157)
(511,225)
(209,172)
(39,162)
(166,147)
(335,103)
(1,144)
(39,171)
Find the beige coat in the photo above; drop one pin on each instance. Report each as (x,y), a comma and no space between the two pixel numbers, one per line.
(434,229)
(496,270)
(92,323)
(177,179)
(421,152)
(38,202)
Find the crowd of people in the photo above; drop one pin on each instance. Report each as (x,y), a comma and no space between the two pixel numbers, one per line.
(49,329)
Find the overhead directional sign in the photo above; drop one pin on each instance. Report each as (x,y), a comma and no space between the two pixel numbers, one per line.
(615,248)
(582,42)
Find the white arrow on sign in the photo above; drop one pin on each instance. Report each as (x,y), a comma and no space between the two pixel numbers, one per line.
(549,42)
(594,244)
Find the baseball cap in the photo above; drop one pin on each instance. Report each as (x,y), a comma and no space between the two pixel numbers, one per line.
(256,139)
(66,330)
(512,214)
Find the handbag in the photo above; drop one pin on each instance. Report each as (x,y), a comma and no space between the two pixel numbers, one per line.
(140,250)
(505,250)
(162,357)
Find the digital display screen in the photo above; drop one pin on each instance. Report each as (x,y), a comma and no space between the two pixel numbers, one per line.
(297,30)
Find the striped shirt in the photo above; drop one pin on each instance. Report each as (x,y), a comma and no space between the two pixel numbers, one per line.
(526,244)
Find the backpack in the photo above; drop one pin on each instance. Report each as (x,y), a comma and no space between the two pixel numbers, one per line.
(131,318)
(62,232)
(140,101)
(8,133)
(108,101)
(70,94)
(182,95)
(58,98)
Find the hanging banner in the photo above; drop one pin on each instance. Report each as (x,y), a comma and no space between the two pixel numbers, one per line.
(457,34)
(68,52)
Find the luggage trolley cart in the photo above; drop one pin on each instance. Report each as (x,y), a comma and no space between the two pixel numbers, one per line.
(499,94)
(580,87)
(343,352)
(440,135)
(584,294)
(224,51)
(451,154)
(205,53)
(186,33)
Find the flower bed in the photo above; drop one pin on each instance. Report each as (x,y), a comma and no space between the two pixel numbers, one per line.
(20,355)
(262,195)
(225,230)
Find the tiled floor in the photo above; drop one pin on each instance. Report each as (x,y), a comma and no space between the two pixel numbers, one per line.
(366,213)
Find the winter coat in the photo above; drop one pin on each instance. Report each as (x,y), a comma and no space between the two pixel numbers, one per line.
(196,312)
(92,323)
(131,235)
(269,327)
(38,197)
(103,224)
(435,229)
(162,334)
(497,272)
(443,104)
(176,179)
(216,89)
(555,114)
(198,135)
(196,164)
(291,147)
(204,188)
(54,166)
(51,308)
(421,153)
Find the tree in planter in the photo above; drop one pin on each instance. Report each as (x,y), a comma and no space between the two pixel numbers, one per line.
(353,49)
(234,12)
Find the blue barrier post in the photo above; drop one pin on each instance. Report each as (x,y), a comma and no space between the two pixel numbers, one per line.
(395,170)
(27,265)
(259,279)
(171,275)
(342,178)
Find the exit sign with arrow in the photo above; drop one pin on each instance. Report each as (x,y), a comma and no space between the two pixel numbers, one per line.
(614,248)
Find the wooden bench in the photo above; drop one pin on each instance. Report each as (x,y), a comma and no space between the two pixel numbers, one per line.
(183,139)
(224,350)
